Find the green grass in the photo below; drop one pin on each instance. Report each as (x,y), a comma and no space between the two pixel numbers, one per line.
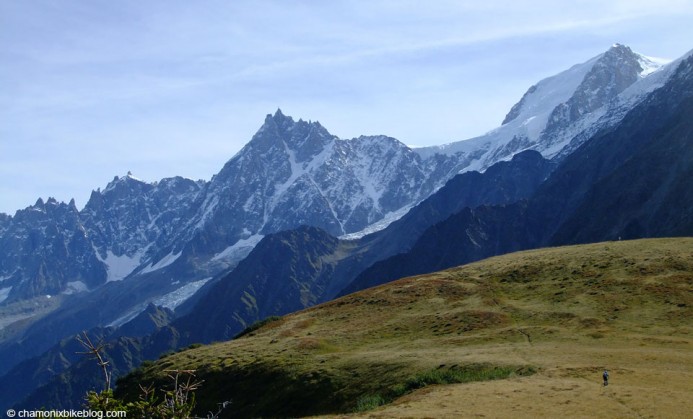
(258,324)
(370,402)
(439,376)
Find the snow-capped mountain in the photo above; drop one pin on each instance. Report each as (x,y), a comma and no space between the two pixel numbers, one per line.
(130,218)
(51,248)
(296,173)
(560,112)
(291,173)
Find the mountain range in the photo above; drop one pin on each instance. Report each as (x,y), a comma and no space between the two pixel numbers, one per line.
(299,217)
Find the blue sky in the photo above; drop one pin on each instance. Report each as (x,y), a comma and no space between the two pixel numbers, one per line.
(96,88)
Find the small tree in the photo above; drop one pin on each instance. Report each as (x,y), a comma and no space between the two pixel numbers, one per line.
(103,400)
(95,352)
(179,401)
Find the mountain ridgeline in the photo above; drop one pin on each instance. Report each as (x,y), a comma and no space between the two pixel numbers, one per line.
(299,217)
(627,182)
(294,173)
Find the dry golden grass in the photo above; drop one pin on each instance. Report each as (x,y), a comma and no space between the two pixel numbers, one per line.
(570,312)
(648,379)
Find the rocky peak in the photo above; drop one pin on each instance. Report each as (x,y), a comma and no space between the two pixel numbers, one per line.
(45,211)
(43,247)
(616,69)
(180,185)
(126,182)
(276,125)
(280,133)
(129,216)
(282,121)
(120,189)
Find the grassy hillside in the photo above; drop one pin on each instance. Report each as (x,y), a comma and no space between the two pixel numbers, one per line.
(566,313)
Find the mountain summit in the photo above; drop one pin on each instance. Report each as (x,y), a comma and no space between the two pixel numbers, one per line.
(560,112)
(611,74)
(295,172)
(600,80)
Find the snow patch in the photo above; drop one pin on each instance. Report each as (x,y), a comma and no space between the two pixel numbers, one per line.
(164,262)
(209,205)
(371,188)
(4,293)
(298,170)
(175,298)
(243,246)
(387,219)
(131,176)
(171,300)
(120,266)
(651,64)
(127,316)
(75,287)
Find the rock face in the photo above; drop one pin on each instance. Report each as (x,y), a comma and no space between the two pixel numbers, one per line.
(610,75)
(45,249)
(130,215)
(297,173)
(52,248)
(130,220)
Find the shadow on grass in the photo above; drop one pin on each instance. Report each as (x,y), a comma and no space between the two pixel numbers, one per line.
(453,375)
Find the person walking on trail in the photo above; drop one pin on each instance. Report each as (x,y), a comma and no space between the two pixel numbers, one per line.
(605,376)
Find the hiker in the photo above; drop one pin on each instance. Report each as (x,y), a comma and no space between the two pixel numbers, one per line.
(605,376)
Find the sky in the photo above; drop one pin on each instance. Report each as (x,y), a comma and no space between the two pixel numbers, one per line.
(92,89)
